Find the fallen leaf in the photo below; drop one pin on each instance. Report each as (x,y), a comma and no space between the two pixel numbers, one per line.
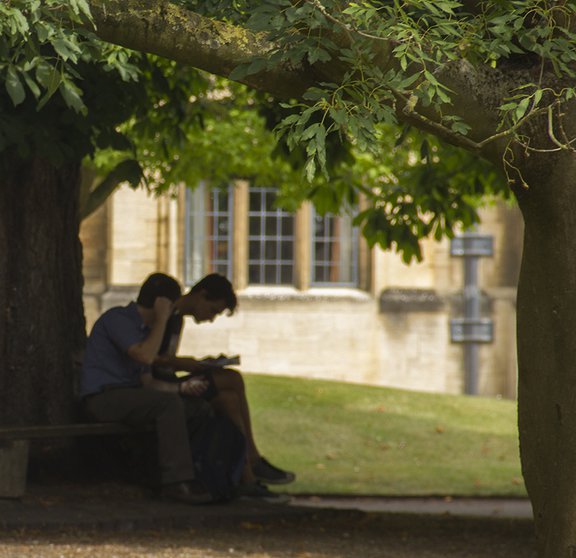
(250,525)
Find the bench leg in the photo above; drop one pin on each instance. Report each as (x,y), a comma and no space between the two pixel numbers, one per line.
(13,468)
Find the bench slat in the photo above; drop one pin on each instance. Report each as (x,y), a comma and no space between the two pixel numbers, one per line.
(64,430)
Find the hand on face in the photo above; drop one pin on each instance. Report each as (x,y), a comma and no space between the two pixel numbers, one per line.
(163,308)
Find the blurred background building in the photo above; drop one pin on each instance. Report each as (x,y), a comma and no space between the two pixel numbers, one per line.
(314,300)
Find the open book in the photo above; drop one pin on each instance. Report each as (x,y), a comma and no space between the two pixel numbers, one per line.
(217,362)
(221,360)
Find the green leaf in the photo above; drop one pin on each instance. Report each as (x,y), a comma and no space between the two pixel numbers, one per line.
(338,115)
(319,55)
(239,72)
(43,31)
(66,48)
(310,169)
(407,82)
(537,97)
(14,86)
(522,108)
(32,85)
(73,96)
(254,67)
(50,78)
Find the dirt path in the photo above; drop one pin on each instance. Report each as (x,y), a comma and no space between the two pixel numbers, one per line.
(318,534)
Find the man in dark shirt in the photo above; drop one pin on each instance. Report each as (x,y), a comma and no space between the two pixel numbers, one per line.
(117,385)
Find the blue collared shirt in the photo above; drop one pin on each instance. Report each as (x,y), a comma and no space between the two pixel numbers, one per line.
(106,361)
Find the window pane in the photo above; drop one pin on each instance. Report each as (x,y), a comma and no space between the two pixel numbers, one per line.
(334,250)
(254,227)
(270,274)
(254,250)
(320,274)
(208,233)
(271,239)
(287,250)
(286,274)
(254,274)
(222,269)
(270,250)
(271,225)
(223,224)
(269,199)
(221,250)
(287,226)
(255,200)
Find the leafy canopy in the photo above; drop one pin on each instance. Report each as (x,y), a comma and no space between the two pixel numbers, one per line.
(68,95)
(395,57)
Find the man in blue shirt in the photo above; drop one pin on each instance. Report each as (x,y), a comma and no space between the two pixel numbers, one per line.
(117,386)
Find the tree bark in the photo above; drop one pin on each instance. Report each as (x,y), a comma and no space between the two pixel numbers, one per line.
(42,328)
(546,316)
(163,28)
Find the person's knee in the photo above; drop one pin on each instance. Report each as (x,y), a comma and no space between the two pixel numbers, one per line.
(170,403)
(228,379)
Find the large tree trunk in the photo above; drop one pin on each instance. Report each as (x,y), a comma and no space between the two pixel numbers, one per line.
(547,349)
(41,313)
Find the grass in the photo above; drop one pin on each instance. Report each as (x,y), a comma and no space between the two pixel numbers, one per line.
(345,438)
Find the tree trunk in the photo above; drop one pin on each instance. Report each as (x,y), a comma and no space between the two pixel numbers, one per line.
(547,349)
(42,325)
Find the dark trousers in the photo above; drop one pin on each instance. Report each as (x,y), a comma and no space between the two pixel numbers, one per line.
(169,412)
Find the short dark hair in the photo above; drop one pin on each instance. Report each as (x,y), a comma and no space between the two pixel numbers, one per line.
(158,284)
(217,287)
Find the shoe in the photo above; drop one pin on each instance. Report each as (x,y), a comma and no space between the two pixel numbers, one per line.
(266,472)
(188,492)
(257,491)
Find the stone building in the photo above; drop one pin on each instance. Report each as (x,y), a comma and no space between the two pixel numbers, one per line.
(314,300)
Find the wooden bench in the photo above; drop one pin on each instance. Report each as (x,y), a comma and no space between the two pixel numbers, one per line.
(15,441)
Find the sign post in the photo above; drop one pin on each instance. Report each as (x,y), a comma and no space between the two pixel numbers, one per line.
(471,330)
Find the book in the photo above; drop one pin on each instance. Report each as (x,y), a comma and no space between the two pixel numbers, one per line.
(216,362)
(221,360)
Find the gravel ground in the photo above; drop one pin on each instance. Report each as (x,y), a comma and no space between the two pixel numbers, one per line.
(271,533)
(119,521)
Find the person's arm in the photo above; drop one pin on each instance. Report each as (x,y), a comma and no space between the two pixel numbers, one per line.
(146,351)
(185,364)
(193,386)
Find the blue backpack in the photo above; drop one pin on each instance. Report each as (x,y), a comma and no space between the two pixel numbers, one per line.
(219,454)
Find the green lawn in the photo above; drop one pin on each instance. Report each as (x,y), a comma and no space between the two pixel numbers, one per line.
(353,439)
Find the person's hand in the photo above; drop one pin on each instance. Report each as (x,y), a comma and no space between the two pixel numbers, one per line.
(194,386)
(163,308)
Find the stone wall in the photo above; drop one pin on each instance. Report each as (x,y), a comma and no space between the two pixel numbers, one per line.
(396,334)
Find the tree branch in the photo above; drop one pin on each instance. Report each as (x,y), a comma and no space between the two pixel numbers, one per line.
(162,28)
(92,197)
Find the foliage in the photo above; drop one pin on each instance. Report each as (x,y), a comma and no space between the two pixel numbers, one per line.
(385,441)
(415,189)
(68,95)
(395,56)
(64,91)
(211,130)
